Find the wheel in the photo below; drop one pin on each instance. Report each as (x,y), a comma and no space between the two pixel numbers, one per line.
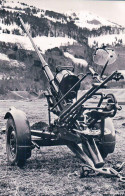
(16,155)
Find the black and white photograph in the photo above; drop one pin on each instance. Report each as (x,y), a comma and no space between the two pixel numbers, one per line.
(62,98)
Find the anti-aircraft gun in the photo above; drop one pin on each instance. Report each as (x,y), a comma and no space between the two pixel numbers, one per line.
(86,129)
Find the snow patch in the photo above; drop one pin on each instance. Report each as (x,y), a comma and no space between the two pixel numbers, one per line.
(76,60)
(13,4)
(43,42)
(55,20)
(2,76)
(15,63)
(14,10)
(4,57)
(10,27)
(12,63)
(38,14)
(106,39)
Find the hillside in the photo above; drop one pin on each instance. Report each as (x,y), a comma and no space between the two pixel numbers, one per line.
(78,25)
(21,69)
(64,39)
(89,20)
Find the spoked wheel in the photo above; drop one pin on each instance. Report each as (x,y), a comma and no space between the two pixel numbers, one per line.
(16,154)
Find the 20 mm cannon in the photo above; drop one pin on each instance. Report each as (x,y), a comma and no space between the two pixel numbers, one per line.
(87,130)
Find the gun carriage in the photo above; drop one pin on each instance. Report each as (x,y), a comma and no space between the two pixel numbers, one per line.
(87,130)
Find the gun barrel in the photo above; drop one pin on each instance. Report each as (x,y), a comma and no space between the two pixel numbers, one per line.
(82,99)
(45,66)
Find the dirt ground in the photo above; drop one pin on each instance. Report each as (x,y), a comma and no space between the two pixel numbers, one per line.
(50,170)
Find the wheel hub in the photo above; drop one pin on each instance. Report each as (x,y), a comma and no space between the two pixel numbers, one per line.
(13,143)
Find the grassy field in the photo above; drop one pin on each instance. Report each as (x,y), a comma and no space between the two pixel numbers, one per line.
(50,170)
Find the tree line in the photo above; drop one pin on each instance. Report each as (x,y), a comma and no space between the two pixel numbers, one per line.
(42,26)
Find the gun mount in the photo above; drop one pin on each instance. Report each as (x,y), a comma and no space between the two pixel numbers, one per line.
(76,122)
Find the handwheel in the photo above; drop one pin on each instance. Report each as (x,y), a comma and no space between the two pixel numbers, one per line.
(16,155)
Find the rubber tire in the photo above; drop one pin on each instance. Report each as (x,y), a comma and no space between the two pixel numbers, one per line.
(17,156)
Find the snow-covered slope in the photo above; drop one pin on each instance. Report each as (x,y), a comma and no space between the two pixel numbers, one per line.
(4,57)
(14,4)
(10,27)
(76,60)
(12,63)
(8,35)
(112,40)
(89,20)
(43,42)
(81,19)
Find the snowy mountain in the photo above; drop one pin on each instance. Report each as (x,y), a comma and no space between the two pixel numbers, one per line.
(63,38)
(69,27)
(19,65)
(81,19)
(89,20)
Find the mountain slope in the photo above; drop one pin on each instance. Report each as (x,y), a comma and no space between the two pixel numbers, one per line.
(61,37)
(89,20)
(76,25)
(44,43)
